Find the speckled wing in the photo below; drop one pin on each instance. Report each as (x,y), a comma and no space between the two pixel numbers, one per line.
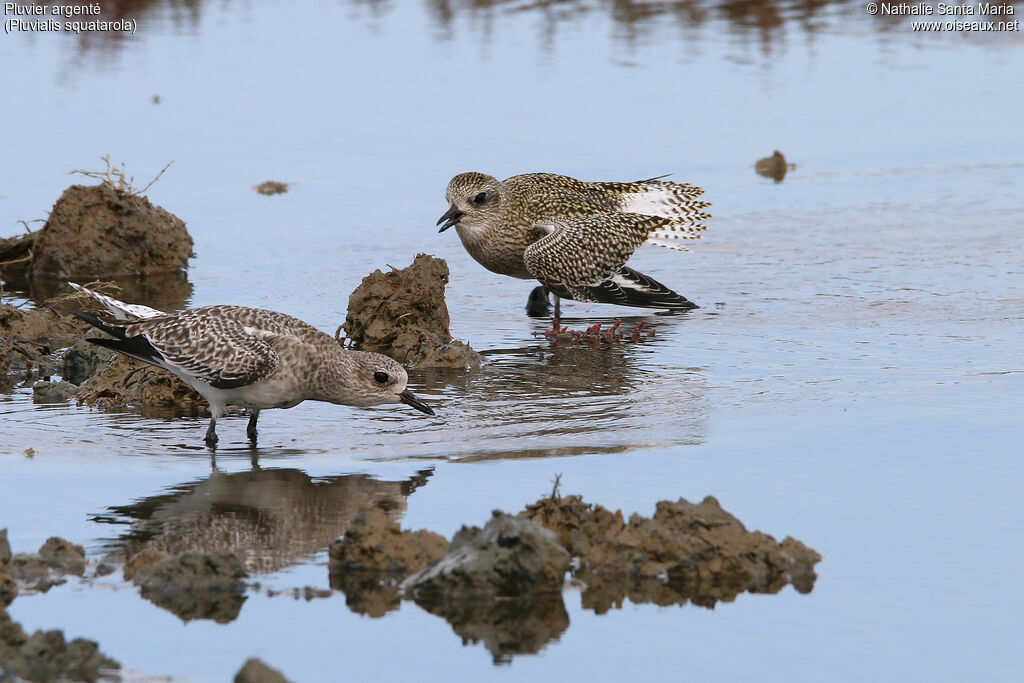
(215,349)
(585,259)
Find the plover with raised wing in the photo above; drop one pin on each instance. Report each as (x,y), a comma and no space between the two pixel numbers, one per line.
(251,358)
(573,236)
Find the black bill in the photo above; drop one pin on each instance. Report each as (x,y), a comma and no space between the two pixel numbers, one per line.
(450,218)
(409,399)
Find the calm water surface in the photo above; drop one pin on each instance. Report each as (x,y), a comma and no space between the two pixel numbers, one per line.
(854,377)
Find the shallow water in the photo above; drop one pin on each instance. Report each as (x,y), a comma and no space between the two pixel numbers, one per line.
(853,378)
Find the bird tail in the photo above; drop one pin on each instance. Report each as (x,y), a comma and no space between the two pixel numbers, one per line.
(119,309)
(677,204)
(136,347)
(627,287)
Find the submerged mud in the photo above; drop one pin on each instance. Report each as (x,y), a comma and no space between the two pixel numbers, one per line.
(403,314)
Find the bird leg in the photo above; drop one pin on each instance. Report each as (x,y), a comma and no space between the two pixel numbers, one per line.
(250,431)
(558,306)
(211,433)
(538,305)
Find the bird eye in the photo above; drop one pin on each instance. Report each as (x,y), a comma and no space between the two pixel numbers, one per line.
(480,198)
(381,377)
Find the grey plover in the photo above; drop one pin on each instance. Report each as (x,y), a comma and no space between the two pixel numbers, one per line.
(573,236)
(249,357)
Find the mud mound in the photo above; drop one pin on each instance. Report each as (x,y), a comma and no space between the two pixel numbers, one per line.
(774,167)
(193,585)
(98,230)
(403,314)
(48,391)
(128,382)
(374,556)
(39,325)
(84,359)
(500,585)
(684,553)
(509,557)
(374,542)
(256,671)
(45,656)
(63,555)
(8,590)
(27,336)
(45,569)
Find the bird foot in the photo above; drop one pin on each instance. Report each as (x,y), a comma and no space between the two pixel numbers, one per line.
(538,305)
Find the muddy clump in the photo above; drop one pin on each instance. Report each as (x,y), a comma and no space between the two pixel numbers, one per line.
(39,325)
(99,230)
(402,314)
(192,585)
(686,552)
(63,555)
(256,671)
(774,167)
(8,590)
(48,391)
(5,548)
(500,585)
(45,656)
(47,568)
(272,187)
(29,336)
(374,556)
(128,382)
(509,557)
(84,359)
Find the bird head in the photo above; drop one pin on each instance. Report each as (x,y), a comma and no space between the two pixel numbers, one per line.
(475,201)
(372,379)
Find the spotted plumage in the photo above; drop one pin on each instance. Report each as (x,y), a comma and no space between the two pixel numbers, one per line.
(250,357)
(573,236)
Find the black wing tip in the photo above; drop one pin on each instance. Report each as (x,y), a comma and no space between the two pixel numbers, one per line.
(98,323)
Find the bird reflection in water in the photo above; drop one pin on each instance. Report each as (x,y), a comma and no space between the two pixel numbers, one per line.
(270,518)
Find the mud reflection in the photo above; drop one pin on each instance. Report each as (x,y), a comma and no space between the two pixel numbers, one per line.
(270,518)
(163,291)
(506,628)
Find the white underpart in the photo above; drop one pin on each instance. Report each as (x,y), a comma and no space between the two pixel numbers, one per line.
(656,202)
(119,309)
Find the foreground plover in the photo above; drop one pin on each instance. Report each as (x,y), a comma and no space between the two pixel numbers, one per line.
(575,237)
(249,357)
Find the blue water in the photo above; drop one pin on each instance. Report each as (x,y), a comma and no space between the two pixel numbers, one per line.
(854,377)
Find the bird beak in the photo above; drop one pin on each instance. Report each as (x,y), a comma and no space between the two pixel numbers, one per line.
(409,399)
(450,218)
